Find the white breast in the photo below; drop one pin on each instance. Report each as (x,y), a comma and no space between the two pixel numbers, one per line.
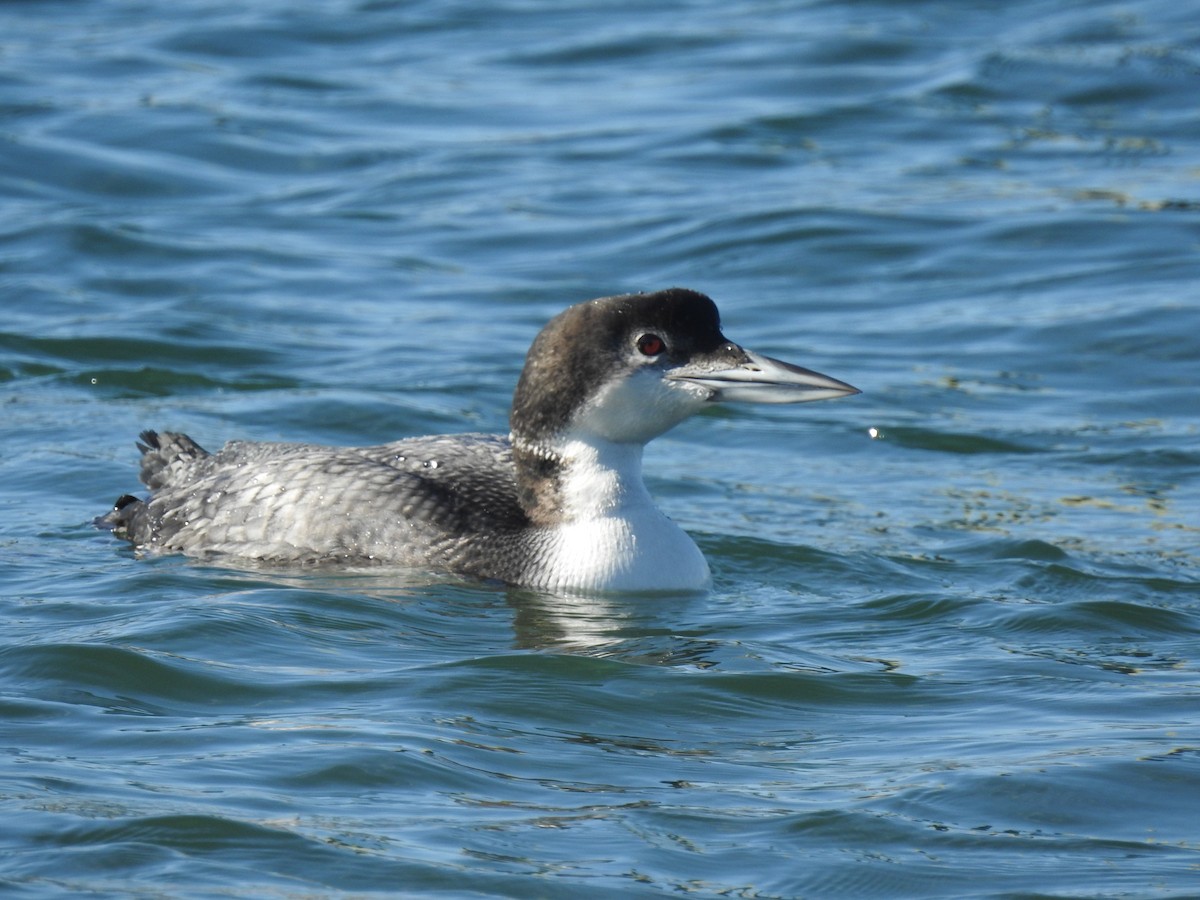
(613,537)
(640,552)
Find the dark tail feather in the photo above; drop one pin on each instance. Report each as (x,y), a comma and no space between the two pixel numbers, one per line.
(166,458)
(164,455)
(120,517)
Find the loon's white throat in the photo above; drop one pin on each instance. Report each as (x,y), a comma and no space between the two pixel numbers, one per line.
(607,534)
(559,504)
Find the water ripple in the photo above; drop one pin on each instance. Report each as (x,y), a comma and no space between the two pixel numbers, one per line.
(953,620)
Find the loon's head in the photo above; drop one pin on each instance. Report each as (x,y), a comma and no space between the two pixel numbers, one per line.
(601,379)
(626,369)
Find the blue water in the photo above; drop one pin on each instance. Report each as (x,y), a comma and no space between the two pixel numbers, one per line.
(952,648)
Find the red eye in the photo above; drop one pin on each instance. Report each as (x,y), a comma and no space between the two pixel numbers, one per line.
(650,345)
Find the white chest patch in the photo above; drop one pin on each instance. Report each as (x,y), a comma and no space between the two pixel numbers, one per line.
(623,553)
(614,538)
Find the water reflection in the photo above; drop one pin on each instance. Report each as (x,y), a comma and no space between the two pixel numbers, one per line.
(649,629)
(636,628)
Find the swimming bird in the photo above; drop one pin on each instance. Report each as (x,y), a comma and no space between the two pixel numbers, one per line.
(558,504)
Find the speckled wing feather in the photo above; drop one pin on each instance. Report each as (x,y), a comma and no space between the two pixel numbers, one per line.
(422,501)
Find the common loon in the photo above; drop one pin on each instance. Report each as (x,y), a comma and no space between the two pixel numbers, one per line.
(558,505)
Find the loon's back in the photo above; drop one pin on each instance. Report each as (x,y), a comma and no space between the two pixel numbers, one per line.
(415,502)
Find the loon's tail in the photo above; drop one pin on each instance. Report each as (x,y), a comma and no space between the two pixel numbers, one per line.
(167,459)
(120,519)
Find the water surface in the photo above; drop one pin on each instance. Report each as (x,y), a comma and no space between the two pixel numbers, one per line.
(951,645)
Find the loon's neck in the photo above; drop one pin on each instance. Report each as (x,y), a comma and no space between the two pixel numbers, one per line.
(577,479)
(596,527)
